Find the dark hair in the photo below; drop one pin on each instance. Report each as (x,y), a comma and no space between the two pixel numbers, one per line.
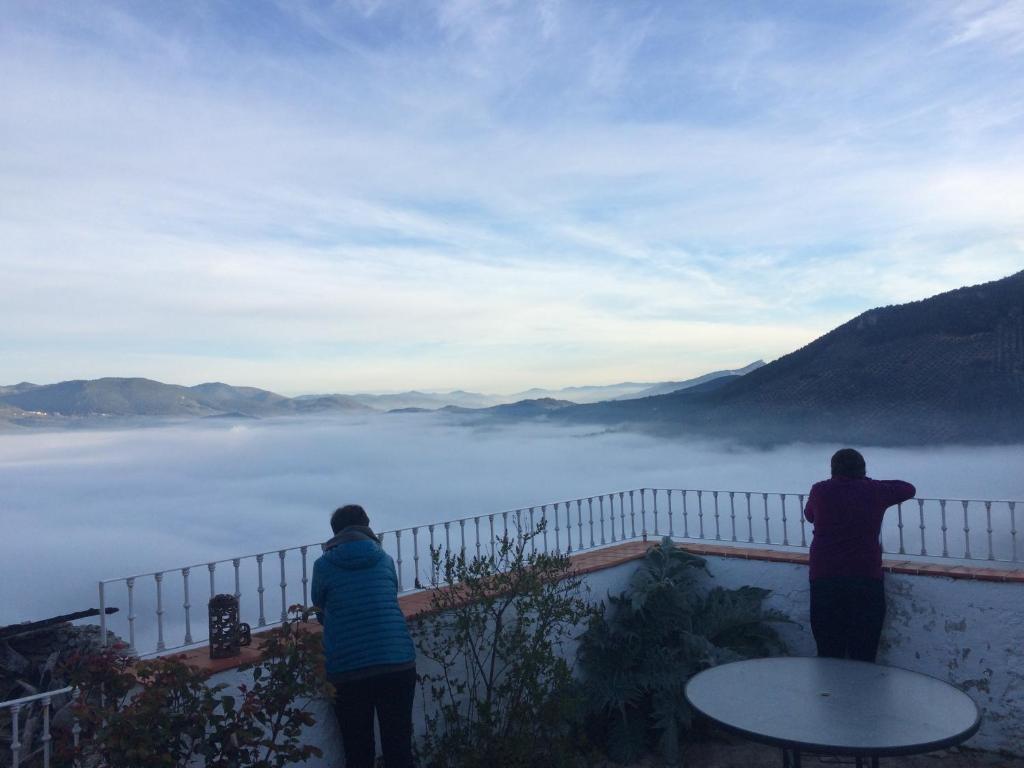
(350,514)
(848,463)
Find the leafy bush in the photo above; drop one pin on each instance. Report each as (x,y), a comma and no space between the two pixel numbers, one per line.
(161,712)
(639,652)
(499,692)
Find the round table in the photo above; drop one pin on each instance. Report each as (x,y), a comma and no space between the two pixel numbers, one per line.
(834,706)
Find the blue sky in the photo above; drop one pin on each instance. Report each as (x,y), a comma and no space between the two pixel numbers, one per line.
(375,195)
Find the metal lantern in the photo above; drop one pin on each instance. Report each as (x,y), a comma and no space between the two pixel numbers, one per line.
(227,634)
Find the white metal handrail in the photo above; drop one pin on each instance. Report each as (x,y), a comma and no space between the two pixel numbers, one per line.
(44,702)
(762,518)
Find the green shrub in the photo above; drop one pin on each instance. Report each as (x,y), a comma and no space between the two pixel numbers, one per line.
(162,712)
(639,652)
(498,691)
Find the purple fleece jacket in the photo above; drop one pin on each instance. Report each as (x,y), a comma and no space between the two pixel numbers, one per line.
(847,515)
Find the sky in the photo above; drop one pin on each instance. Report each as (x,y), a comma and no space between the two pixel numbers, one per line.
(373,195)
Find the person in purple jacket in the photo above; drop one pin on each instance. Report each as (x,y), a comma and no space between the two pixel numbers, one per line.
(847,590)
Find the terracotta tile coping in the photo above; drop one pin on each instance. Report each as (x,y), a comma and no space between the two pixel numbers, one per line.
(597,560)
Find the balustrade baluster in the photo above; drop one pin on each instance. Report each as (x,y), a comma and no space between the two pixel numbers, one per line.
(600,508)
(899,524)
(988,522)
(622,516)
(236,563)
(130,583)
(212,568)
(718,528)
(15,743)
(568,526)
(920,512)
(1013,530)
(447,539)
(643,514)
(590,507)
(462,537)
(579,518)
(260,589)
(490,523)
(159,578)
(686,518)
(967,533)
(47,737)
(476,526)
(103,614)
(700,512)
(803,523)
(750,520)
(767,527)
(416,557)
(304,551)
(284,587)
(942,508)
(544,517)
(632,516)
(187,606)
(433,565)
(671,522)
(533,540)
(785,528)
(732,513)
(76,724)
(398,558)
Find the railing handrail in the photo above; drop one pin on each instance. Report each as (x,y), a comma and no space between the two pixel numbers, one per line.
(36,697)
(524,508)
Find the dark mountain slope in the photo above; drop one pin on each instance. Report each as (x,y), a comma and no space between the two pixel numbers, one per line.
(15,389)
(144,397)
(945,369)
(110,396)
(224,397)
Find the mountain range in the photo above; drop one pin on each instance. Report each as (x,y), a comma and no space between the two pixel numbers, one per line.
(33,404)
(945,369)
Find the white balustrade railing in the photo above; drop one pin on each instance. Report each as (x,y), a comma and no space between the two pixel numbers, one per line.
(985,530)
(31,727)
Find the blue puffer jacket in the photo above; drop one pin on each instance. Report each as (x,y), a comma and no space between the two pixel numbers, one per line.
(355,589)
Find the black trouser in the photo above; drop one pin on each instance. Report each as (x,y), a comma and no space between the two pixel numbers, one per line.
(390,695)
(847,615)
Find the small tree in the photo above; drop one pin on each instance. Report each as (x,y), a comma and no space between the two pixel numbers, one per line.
(500,693)
(162,712)
(638,654)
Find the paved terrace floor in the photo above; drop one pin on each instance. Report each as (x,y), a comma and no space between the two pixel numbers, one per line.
(727,754)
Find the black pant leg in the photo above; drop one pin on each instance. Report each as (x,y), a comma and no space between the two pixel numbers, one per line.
(868,600)
(829,617)
(353,706)
(393,699)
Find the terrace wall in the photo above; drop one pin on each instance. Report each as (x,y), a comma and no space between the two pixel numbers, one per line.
(962,625)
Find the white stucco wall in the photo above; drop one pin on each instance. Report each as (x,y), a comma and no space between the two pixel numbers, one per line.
(969,633)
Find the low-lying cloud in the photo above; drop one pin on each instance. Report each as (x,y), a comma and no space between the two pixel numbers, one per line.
(83,506)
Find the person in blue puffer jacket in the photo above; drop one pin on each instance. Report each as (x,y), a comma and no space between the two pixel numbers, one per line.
(370,657)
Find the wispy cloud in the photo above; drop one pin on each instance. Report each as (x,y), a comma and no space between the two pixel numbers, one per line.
(378,194)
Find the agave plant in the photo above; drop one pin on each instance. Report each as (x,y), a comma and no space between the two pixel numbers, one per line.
(639,652)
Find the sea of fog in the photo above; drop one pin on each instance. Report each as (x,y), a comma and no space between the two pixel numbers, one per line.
(79,506)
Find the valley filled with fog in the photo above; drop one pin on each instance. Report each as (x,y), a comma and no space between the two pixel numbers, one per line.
(79,506)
